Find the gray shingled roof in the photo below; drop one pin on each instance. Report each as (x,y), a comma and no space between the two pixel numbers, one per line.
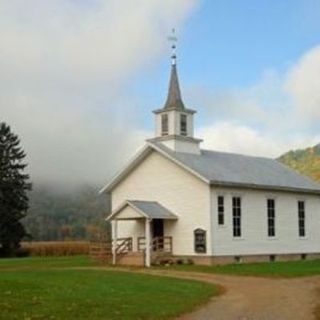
(231,169)
(152,209)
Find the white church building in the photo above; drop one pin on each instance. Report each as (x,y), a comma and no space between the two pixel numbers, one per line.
(178,200)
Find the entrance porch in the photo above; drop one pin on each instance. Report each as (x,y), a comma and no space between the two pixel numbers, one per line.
(152,218)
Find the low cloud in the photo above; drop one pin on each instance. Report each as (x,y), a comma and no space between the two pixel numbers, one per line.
(65,71)
(66,67)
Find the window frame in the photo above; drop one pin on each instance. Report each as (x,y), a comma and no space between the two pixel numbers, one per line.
(183,124)
(236,217)
(302,219)
(200,240)
(221,210)
(164,124)
(271,217)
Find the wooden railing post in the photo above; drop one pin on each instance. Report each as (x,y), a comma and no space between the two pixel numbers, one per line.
(148,242)
(114,241)
(156,244)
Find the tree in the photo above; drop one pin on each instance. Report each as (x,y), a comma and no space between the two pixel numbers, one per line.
(14,185)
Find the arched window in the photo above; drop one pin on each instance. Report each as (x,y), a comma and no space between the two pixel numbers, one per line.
(200,241)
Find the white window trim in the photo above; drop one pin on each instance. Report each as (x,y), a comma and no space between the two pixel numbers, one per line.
(306,236)
(224,225)
(275,219)
(164,133)
(237,195)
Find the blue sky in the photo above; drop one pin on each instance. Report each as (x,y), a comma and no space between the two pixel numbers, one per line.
(231,44)
(79,79)
(238,40)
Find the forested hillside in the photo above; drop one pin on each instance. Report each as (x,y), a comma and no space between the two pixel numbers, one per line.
(306,161)
(65,215)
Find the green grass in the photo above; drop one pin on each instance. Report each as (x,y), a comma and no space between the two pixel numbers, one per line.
(268,269)
(45,262)
(48,288)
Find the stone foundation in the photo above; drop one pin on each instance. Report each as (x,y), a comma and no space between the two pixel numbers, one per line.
(137,258)
(219,260)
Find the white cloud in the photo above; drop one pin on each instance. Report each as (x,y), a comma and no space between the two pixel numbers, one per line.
(65,67)
(279,113)
(303,86)
(65,70)
(235,138)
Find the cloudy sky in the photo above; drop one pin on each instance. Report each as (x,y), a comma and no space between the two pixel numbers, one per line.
(79,78)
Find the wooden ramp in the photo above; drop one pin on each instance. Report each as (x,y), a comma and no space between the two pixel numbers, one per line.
(101,251)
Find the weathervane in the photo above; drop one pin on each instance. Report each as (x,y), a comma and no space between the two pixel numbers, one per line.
(173,39)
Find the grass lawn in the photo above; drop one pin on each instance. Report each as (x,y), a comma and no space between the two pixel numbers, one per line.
(47,288)
(268,269)
(44,263)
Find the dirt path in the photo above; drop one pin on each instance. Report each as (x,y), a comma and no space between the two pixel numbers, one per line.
(252,298)
(249,298)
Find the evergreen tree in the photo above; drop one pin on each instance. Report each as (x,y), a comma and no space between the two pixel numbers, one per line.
(14,185)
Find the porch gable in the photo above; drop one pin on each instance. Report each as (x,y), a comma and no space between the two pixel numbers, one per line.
(137,209)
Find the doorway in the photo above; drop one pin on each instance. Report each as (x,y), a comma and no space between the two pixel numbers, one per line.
(157,228)
(157,232)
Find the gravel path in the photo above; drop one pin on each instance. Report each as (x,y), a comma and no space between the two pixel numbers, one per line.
(251,298)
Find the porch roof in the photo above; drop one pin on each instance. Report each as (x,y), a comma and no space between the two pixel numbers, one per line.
(144,209)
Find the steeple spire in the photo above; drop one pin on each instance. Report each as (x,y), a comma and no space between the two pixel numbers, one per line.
(174,122)
(174,100)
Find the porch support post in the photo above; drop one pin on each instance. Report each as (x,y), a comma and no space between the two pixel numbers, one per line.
(114,240)
(148,242)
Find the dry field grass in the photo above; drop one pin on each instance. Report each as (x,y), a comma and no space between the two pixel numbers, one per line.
(57,248)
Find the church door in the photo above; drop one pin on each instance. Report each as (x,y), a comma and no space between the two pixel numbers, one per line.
(157,228)
(157,232)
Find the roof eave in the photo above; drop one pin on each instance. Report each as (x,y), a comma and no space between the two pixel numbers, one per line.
(179,163)
(126,169)
(185,110)
(124,205)
(136,160)
(263,187)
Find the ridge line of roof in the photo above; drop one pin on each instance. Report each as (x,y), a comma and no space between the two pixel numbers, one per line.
(312,188)
(238,154)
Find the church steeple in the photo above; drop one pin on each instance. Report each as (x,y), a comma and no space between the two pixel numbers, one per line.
(174,100)
(174,122)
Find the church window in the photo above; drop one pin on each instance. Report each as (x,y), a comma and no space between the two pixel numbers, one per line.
(220,210)
(164,125)
(301,219)
(183,124)
(200,241)
(236,216)
(271,217)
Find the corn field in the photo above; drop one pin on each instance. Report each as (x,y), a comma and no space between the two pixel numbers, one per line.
(56,248)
